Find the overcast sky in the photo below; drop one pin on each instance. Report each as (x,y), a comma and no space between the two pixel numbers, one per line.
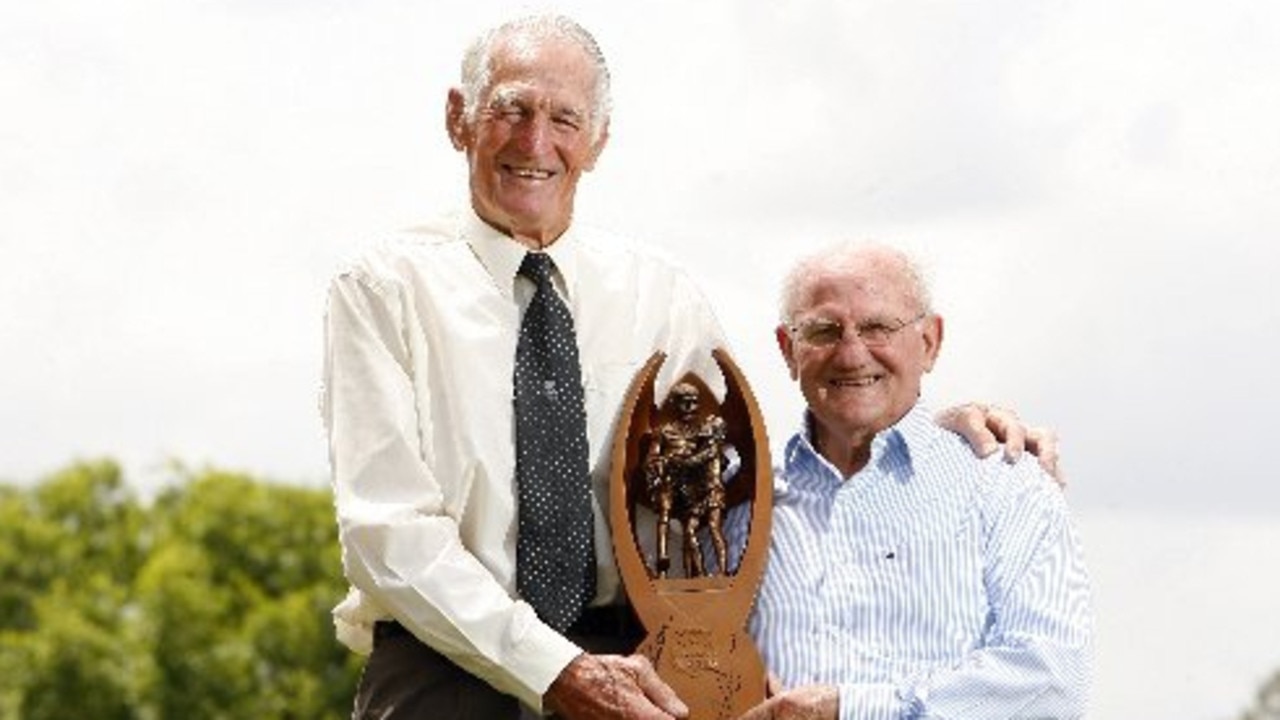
(1092,182)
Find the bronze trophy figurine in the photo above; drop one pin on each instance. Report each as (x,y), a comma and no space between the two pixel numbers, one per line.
(683,473)
(670,464)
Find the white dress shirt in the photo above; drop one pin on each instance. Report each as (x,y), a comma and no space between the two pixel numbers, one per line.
(421,336)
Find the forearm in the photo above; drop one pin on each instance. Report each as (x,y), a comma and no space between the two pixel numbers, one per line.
(396,501)
(1034,659)
(1007,683)
(403,550)
(1036,680)
(418,571)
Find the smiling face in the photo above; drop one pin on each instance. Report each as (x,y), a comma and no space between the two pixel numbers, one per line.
(854,390)
(532,136)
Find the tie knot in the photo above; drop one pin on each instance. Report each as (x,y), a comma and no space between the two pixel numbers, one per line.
(537,267)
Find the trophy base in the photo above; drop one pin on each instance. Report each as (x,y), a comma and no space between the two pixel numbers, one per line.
(718,673)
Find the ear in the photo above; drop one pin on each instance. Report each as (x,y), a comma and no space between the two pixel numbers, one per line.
(597,148)
(455,121)
(788,349)
(932,340)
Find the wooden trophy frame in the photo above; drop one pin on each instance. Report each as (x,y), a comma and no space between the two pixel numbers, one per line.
(696,626)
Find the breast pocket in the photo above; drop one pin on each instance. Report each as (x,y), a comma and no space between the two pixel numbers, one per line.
(604,387)
(932,601)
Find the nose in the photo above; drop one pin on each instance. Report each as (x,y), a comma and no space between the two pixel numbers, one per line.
(850,349)
(532,134)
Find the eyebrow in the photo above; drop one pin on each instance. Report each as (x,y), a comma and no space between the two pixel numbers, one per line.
(572,113)
(504,96)
(508,96)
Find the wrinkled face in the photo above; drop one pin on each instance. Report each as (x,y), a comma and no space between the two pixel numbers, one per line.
(854,390)
(532,137)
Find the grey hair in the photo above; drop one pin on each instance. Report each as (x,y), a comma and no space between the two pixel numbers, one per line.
(477,62)
(846,257)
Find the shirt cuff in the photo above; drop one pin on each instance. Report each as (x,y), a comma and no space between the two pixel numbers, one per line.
(542,655)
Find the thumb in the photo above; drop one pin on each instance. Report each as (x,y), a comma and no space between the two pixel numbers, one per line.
(658,692)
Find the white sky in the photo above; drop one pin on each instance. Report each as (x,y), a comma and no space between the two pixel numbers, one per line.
(1093,183)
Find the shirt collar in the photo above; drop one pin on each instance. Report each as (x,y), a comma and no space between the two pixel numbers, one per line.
(501,255)
(899,445)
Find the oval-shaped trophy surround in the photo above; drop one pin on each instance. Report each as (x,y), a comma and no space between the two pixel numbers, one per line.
(696,626)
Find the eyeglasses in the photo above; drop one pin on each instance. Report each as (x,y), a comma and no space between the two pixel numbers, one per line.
(821,332)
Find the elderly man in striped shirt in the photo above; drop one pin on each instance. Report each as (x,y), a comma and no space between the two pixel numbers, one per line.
(907,578)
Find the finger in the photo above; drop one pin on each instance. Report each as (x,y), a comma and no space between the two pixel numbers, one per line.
(1006,426)
(970,421)
(1058,476)
(599,687)
(763,711)
(811,702)
(658,692)
(772,685)
(1043,443)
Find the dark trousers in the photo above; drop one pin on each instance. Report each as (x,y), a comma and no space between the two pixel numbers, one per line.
(404,679)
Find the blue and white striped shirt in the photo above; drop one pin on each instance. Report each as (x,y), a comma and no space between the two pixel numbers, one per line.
(930,584)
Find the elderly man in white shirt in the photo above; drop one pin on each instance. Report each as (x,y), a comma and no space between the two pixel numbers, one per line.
(418,400)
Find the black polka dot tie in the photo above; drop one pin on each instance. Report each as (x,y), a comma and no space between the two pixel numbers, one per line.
(555,547)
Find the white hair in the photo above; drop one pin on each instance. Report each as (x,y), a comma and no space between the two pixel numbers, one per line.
(846,257)
(477,62)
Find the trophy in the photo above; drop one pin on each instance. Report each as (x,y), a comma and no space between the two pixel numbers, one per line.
(677,472)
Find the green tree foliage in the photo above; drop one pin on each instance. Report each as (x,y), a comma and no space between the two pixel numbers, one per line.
(210,602)
(1266,704)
